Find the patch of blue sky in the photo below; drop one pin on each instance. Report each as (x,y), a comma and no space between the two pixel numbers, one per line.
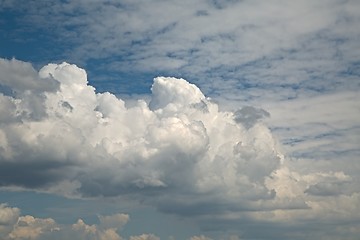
(117,81)
(22,40)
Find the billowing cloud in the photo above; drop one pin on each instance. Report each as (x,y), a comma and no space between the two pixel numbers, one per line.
(178,141)
(177,152)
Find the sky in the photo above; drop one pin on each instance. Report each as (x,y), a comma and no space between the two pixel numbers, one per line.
(179,120)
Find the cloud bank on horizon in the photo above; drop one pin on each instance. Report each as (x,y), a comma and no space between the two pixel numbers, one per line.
(176,152)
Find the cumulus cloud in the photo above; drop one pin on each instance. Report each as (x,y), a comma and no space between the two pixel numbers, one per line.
(28,227)
(20,77)
(13,226)
(177,152)
(172,142)
(8,217)
(16,227)
(80,230)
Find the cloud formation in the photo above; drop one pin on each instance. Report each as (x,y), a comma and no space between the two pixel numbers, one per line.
(179,140)
(177,152)
(17,227)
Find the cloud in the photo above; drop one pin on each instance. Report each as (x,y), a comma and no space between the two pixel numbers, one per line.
(28,227)
(113,221)
(16,227)
(171,143)
(176,152)
(248,115)
(21,77)
(145,237)
(81,230)
(8,217)
(323,127)
(201,237)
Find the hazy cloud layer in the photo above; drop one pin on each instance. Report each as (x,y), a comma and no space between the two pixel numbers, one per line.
(177,152)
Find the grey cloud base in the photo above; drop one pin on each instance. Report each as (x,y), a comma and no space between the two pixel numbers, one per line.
(178,152)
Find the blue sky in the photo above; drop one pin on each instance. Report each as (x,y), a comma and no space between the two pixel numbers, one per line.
(101,138)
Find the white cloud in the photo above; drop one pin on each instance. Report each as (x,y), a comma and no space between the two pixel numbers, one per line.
(179,130)
(8,217)
(21,77)
(28,227)
(177,152)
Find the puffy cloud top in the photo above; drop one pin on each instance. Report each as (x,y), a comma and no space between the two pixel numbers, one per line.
(171,93)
